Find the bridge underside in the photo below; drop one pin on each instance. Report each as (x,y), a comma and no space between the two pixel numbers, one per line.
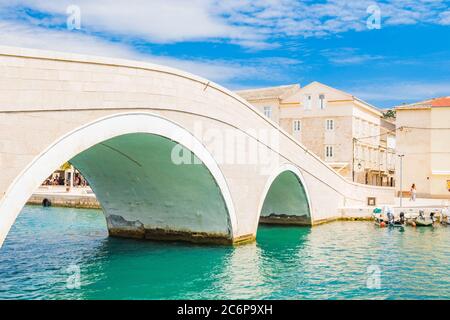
(145,195)
(286,202)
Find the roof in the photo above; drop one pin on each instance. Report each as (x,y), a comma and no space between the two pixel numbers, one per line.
(352,96)
(349,95)
(426,104)
(269,93)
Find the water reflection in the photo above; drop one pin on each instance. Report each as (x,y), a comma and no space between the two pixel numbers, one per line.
(280,247)
(242,274)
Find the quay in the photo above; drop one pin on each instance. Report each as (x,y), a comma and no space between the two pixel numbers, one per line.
(83,197)
(58,196)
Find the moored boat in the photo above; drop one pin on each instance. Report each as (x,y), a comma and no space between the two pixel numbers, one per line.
(378,218)
(423,221)
(400,222)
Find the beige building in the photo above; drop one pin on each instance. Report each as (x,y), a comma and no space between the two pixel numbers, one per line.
(423,137)
(346,132)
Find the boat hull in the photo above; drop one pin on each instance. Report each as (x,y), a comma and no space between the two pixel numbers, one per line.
(421,223)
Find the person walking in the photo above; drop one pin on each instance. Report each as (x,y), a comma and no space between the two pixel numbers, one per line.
(413,192)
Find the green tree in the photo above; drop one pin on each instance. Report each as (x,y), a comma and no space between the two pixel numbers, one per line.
(389,114)
(65,166)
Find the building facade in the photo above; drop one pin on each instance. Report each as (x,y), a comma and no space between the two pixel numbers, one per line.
(423,139)
(344,131)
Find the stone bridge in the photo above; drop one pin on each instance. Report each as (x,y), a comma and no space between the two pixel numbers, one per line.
(169,155)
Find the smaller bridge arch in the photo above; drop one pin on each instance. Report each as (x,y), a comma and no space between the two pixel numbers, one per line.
(285,198)
(86,147)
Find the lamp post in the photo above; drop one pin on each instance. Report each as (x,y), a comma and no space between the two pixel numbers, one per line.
(353,159)
(401,178)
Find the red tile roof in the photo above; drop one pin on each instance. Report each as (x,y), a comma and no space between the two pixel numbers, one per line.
(441,102)
(431,103)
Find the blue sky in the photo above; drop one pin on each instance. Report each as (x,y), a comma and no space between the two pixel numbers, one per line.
(245,44)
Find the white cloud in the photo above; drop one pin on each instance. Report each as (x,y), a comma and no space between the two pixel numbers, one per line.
(401,91)
(156,21)
(255,24)
(21,35)
(224,72)
(445,18)
(307,18)
(348,56)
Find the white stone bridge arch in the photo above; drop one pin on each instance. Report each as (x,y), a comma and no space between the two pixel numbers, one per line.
(119,123)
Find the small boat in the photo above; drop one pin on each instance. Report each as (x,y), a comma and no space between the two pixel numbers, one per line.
(401,222)
(422,221)
(378,218)
(379,221)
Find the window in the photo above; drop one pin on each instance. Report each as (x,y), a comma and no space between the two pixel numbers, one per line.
(329,124)
(328,152)
(297,125)
(366,154)
(372,129)
(359,128)
(268,112)
(321,101)
(391,142)
(375,134)
(308,102)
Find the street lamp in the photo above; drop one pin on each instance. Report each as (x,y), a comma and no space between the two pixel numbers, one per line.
(353,159)
(401,177)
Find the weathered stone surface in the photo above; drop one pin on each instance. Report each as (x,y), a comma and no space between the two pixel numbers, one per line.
(195,237)
(119,227)
(284,219)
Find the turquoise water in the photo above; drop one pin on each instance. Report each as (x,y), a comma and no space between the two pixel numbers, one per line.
(324,262)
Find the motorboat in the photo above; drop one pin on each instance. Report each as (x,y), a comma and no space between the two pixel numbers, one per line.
(387,211)
(400,222)
(423,221)
(379,221)
(378,218)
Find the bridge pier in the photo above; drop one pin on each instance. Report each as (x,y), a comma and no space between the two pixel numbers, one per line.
(284,219)
(120,228)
